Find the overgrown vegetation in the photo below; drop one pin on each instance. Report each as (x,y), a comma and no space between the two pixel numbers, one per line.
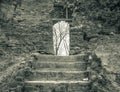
(103,18)
(99,80)
(105,12)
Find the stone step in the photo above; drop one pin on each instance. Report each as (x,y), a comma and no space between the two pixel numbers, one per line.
(57,82)
(57,75)
(61,65)
(61,19)
(58,58)
(56,86)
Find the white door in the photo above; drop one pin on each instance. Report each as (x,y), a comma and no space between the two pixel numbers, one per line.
(61,38)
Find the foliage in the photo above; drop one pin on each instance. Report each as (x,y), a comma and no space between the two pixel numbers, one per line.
(107,12)
(99,80)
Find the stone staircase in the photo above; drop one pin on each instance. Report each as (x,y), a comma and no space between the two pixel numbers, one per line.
(58,74)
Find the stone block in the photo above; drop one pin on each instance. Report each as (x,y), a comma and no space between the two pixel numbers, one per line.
(19,78)
(29,89)
(19,89)
(12,90)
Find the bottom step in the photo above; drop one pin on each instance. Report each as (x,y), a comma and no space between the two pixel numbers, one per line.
(56,86)
(55,82)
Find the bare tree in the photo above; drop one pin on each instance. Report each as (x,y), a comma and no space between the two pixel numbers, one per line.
(59,38)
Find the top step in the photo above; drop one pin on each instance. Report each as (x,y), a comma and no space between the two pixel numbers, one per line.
(58,58)
(62,19)
(55,20)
